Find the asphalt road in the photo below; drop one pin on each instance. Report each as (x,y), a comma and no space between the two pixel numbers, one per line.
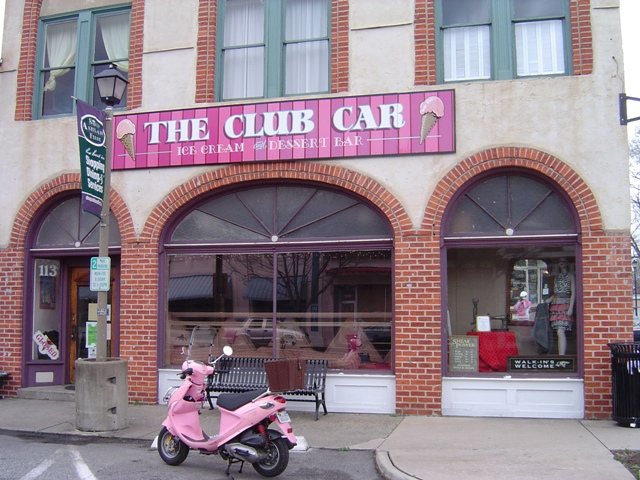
(46,457)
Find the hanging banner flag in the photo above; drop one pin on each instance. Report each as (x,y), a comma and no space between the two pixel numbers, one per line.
(93,152)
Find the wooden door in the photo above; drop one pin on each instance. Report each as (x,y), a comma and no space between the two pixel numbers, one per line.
(82,302)
(81,297)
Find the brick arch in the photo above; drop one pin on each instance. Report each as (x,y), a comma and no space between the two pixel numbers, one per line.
(564,176)
(49,190)
(236,174)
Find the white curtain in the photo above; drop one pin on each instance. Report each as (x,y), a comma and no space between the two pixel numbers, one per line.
(61,50)
(244,65)
(467,53)
(115,35)
(307,58)
(540,48)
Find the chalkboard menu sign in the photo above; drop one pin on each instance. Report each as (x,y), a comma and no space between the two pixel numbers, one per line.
(463,353)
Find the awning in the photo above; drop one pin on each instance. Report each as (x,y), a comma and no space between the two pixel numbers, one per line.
(191,287)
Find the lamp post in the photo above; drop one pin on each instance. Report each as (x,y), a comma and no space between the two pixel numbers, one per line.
(634,266)
(101,382)
(111,86)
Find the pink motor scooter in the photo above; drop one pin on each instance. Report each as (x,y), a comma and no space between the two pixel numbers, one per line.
(244,434)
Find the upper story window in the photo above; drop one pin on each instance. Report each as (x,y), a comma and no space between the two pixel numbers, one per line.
(274,48)
(501,39)
(71,50)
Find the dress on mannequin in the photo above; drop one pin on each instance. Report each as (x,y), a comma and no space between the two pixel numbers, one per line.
(561,305)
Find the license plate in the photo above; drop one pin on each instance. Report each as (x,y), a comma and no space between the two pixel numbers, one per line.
(283,417)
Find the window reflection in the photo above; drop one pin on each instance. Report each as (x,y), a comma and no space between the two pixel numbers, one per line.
(530,276)
(313,304)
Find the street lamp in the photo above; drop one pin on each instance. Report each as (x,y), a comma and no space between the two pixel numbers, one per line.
(101,382)
(634,266)
(111,87)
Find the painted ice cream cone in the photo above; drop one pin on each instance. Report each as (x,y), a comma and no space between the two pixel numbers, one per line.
(431,110)
(428,121)
(125,132)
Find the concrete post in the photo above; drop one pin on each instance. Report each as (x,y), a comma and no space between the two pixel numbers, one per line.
(102,394)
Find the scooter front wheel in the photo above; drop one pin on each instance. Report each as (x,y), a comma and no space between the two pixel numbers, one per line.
(171,449)
(276,461)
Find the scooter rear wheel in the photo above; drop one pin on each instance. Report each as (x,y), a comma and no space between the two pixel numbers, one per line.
(277,460)
(171,449)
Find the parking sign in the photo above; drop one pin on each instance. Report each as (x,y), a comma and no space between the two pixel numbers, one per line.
(100,279)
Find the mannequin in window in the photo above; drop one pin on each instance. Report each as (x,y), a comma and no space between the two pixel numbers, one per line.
(522,307)
(561,304)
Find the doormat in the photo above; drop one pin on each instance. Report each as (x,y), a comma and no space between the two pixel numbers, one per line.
(70,387)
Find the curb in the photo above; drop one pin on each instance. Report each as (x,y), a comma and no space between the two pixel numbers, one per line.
(76,437)
(388,469)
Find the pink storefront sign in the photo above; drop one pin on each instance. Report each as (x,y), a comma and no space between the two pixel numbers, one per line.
(328,128)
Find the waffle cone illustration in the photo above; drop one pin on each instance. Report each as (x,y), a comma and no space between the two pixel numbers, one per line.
(125,132)
(428,121)
(431,110)
(127,141)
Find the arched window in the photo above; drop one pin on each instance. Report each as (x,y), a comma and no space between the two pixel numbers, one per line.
(281,214)
(507,237)
(281,270)
(510,204)
(68,226)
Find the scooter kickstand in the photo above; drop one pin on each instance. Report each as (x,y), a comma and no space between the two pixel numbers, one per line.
(228,473)
(231,461)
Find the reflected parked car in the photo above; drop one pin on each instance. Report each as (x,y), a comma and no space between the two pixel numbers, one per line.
(260,330)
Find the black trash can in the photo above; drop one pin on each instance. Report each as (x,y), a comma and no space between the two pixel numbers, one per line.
(625,368)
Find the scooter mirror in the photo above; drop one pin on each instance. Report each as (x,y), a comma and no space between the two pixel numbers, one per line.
(227,350)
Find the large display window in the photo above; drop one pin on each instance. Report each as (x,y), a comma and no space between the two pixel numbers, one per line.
(326,305)
(520,304)
(281,271)
(512,286)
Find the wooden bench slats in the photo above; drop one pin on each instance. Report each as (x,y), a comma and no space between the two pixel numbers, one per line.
(243,374)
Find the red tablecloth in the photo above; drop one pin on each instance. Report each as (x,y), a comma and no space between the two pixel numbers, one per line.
(493,350)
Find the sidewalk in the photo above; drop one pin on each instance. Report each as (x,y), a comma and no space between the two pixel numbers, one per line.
(426,448)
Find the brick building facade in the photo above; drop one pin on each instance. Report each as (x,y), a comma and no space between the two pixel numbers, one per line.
(557,132)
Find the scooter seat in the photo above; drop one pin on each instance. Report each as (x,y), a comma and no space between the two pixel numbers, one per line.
(233,401)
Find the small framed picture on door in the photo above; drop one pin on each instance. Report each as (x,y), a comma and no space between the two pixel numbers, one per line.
(48,293)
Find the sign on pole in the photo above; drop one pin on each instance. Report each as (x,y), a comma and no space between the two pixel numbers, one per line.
(100,279)
(91,138)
